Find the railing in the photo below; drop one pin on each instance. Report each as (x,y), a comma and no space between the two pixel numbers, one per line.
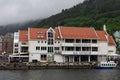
(79,44)
(76,52)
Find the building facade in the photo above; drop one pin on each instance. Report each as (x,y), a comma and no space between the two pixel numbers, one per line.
(63,44)
(1,45)
(7,43)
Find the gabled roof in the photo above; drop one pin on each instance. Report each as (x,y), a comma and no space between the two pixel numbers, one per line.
(23,35)
(57,34)
(40,33)
(111,41)
(37,33)
(66,32)
(78,32)
(102,35)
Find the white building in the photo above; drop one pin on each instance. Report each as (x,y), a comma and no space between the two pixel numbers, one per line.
(65,44)
(15,42)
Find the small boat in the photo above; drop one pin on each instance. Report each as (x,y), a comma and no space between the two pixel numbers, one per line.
(106,65)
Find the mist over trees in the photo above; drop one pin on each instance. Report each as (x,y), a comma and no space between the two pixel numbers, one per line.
(93,13)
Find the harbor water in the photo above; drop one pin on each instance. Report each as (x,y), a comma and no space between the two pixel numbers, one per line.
(61,74)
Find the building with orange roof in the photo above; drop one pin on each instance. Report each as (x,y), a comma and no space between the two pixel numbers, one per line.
(64,44)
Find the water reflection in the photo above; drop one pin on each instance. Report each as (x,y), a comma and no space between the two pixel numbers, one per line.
(60,74)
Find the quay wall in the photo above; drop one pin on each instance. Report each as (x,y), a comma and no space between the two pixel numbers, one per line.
(35,66)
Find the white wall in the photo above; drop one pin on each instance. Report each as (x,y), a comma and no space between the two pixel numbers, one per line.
(110,49)
(20,45)
(58,58)
(34,56)
(33,44)
(103,47)
(16,37)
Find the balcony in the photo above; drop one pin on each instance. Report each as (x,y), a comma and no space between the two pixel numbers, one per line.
(76,52)
(79,44)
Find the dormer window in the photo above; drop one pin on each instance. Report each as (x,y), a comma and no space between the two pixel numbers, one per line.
(50,36)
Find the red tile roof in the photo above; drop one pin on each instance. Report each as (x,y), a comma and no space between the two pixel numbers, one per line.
(23,35)
(57,34)
(77,32)
(102,35)
(37,33)
(111,41)
(66,32)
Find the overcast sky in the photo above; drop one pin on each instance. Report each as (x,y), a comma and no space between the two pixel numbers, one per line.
(13,11)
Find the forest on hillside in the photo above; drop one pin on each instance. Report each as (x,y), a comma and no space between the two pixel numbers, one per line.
(90,13)
(93,13)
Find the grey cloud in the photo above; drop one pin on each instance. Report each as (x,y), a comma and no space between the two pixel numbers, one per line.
(12,11)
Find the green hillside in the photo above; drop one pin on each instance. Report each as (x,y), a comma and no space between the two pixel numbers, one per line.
(93,13)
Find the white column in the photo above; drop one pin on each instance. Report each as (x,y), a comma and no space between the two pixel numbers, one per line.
(89,58)
(74,40)
(63,58)
(68,58)
(74,48)
(73,58)
(64,48)
(80,58)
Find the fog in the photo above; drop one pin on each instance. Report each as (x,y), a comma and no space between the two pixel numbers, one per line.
(15,11)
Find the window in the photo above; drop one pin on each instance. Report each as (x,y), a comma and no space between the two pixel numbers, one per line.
(56,48)
(69,40)
(37,48)
(50,37)
(16,50)
(38,41)
(50,49)
(23,43)
(94,48)
(110,51)
(50,34)
(62,48)
(50,41)
(94,41)
(24,49)
(41,41)
(78,41)
(86,41)
(43,48)
(86,48)
(78,48)
(43,57)
(69,48)
(16,44)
